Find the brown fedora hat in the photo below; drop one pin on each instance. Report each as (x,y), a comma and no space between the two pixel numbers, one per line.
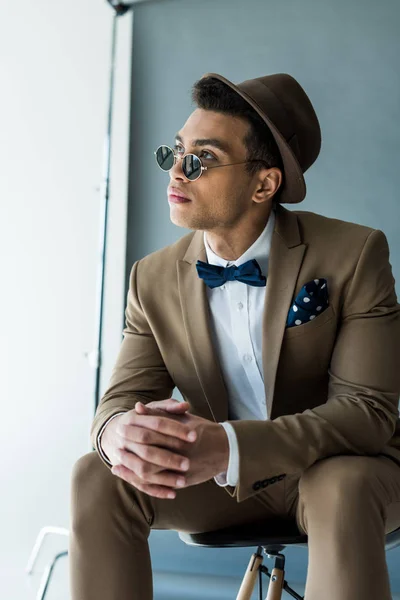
(287,110)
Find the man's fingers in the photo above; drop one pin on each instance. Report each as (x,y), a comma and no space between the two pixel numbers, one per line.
(142,435)
(165,425)
(148,473)
(155,456)
(158,491)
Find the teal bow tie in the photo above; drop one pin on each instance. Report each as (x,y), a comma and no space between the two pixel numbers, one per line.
(214,275)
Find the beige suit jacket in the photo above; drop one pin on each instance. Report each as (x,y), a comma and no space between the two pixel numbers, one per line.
(332,385)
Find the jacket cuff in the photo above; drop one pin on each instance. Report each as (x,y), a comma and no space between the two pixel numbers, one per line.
(99,449)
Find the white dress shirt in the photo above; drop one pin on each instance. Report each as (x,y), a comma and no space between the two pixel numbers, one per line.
(236,324)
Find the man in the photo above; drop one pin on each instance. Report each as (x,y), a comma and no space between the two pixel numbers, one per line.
(281,329)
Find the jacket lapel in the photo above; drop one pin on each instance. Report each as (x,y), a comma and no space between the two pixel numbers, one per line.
(284,263)
(286,255)
(196,320)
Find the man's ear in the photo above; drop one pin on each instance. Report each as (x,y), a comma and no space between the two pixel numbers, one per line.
(267,184)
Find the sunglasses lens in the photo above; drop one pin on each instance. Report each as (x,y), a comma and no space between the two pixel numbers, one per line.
(165,158)
(191,166)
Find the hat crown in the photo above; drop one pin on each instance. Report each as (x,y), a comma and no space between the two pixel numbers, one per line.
(287,110)
(287,105)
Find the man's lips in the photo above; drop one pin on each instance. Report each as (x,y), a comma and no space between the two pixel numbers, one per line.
(174,195)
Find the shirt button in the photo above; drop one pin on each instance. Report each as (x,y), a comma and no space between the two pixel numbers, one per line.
(222,287)
(240,306)
(247,358)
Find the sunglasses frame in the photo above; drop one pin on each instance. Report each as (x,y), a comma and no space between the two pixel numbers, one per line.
(202,167)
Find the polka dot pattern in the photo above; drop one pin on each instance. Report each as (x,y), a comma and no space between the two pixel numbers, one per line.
(311,301)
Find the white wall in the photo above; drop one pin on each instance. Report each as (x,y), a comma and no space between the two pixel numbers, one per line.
(54,64)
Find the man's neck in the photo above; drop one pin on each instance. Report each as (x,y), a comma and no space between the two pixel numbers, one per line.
(232,244)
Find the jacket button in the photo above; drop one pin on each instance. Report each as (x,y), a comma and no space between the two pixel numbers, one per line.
(257,485)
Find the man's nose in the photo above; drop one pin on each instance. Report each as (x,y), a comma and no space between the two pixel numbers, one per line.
(176,173)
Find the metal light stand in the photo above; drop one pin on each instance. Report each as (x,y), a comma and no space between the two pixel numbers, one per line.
(120,9)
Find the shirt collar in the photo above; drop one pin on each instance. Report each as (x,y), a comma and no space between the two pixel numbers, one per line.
(258,250)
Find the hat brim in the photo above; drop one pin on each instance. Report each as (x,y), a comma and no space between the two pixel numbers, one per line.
(293,189)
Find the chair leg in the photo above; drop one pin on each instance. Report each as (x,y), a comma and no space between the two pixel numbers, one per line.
(250,577)
(277,581)
(275,585)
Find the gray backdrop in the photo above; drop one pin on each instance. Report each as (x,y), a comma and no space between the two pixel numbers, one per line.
(345,53)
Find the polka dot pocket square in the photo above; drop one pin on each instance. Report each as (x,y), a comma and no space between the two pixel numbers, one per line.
(311,301)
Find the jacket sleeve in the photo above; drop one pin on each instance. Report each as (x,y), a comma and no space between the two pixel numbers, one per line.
(360,414)
(139,372)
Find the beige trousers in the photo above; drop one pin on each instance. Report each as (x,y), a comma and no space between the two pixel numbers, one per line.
(345,504)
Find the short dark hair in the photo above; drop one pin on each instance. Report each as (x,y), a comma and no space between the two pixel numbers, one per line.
(212,94)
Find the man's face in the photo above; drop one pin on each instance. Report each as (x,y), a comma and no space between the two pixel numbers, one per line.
(220,197)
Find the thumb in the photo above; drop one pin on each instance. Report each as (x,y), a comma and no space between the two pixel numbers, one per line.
(141,409)
(174,406)
(169,405)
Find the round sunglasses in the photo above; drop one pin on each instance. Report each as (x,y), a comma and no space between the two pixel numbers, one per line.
(192,166)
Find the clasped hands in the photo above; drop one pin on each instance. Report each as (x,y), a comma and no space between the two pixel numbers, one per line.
(156,454)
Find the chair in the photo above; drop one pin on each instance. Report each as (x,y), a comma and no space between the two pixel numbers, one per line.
(271,537)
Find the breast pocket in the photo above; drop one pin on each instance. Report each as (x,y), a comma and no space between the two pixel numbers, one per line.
(306,349)
(310,326)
